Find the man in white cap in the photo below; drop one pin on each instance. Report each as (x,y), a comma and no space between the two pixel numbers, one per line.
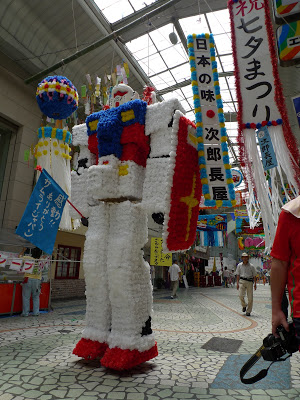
(245,275)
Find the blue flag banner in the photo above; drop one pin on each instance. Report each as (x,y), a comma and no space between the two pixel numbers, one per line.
(266,148)
(40,221)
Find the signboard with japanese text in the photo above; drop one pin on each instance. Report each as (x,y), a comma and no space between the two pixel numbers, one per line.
(215,169)
(157,257)
(286,9)
(253,62)
(40,221)
(266,148)
(288,42)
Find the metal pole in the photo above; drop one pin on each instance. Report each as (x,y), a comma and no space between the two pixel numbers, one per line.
(111,36)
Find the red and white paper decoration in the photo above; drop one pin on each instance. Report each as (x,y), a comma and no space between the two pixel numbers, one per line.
(3,260)
(16,264)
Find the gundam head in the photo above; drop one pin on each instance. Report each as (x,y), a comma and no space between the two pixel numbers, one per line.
(121,94)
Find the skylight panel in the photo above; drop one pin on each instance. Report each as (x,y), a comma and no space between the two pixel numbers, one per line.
(155,63)
(182,73)
(139,47)
(161,37)
(227,63)
(174,56)
(114,10)
(177,94)
(163,80)
(192,25)
(219,21)
(223,44)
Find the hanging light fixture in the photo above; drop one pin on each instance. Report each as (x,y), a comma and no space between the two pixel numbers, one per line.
(173,37)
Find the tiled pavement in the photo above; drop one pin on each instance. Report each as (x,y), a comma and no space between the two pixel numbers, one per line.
(36,360)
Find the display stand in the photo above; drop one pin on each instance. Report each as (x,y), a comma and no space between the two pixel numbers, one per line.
(11,298)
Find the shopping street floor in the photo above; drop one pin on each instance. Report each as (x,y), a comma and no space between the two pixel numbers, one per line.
(203,340)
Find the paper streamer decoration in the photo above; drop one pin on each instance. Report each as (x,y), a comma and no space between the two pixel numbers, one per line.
(261,103)
(215,170)
(53,154)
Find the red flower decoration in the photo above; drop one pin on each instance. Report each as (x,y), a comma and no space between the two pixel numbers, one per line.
(210,113)
(253,125)
(264,123)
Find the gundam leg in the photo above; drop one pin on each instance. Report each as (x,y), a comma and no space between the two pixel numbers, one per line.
(98,309)
(131,341)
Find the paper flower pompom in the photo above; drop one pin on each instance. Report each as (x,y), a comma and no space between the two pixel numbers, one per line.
(57,97)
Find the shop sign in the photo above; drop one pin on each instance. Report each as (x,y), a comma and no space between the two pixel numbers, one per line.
(288,41)
(157,257)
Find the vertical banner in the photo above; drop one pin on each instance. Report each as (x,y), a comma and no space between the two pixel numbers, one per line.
(40,221)
(157,257)
(215,170)
(266,149)
(259,93)
(261,104)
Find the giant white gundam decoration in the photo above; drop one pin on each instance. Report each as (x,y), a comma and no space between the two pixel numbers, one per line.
(136,160)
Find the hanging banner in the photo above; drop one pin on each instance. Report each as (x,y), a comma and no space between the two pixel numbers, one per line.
(16,264)
(40,221)
(261,103)
(215,170)
(241,213)
(28,266)
(212,238)
(255,80)
(237,177)
(242,225)
(157,257)
(3,260)
(212,222)
(266,148)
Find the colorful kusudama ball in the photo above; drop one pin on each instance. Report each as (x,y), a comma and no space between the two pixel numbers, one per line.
(57,97)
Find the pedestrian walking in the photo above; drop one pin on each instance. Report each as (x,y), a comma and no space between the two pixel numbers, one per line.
(174,276)
(245,275)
